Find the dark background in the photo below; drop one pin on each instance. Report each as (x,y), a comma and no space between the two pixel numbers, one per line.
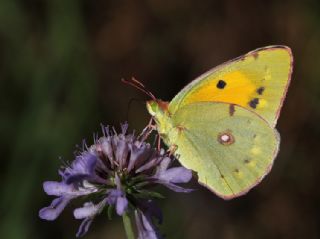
(60,68)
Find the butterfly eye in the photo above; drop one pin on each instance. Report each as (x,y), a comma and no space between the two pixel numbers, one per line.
(226,138)
(152,107)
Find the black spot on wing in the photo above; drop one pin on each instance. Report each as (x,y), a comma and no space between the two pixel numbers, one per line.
(221,84)
(260,90)
(231,110)
(253,103)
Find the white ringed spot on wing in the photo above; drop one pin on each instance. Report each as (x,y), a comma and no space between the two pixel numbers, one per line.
(226,138)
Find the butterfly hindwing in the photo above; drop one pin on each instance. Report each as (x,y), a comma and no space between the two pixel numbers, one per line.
(229,147)
(257,81)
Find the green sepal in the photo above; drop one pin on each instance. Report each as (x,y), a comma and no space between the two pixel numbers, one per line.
(147,194)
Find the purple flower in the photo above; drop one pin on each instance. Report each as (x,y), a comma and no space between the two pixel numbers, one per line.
(119,172)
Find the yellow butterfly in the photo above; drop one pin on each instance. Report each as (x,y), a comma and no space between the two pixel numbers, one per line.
(221,125)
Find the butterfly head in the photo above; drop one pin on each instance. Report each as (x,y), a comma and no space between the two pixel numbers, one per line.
(157,108)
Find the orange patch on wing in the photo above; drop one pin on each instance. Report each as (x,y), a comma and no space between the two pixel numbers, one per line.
(238,89)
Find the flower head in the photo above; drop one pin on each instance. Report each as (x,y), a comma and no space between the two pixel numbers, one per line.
(120,170)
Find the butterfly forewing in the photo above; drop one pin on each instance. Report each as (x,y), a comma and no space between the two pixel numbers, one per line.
(257,81)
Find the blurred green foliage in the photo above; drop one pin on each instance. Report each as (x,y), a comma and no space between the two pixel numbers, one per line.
(60,68)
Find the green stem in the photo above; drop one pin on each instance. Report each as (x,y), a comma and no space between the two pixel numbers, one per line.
(127,226)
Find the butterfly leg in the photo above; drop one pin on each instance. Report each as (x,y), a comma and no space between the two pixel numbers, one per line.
(147,130)
(158,142)
(172,149)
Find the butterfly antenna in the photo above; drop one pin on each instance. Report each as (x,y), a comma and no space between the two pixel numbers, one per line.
(138,82)
(138,85)
(143,87)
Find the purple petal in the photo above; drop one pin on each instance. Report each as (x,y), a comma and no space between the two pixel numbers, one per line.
(164,164)
(121,205)
(174,187)
(139,154)
(54,210)
(85,163)
(57,188)
(117,197)
(175,175)
(107,149)
(140,228)
(84,227)
(122,150)
(151,164)
(83,167)
(62,189)
(87,213)
(124,128)
(146,230)
(89,210)
(113,195)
